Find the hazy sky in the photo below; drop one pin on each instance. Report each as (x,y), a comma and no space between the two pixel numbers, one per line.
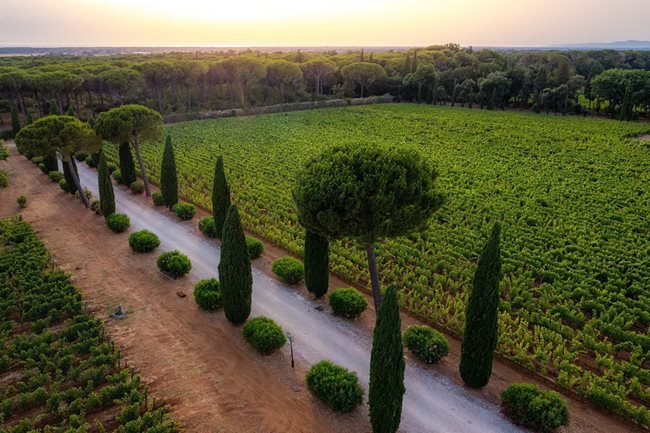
(322,23)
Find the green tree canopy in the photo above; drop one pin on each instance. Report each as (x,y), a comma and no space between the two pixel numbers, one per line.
(363,74)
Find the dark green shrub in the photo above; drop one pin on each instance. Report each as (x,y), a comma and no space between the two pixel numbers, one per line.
(117,176)
(335,386)
(90,162)
(207,294)
(143,241)
(118,222)
(22,201)
(112,168)
(347,303)
(290,270)
(80,156)
(425,343)
(137,187)
(157,198)
(55,176)
(43,167)
(255,248)
(96,207)
(4,179)
(38,160)
(184,211)
(64,185)
(174,263)
(264,335)
(206,225)
(528,405)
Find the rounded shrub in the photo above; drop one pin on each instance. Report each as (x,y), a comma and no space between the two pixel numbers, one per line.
(112,168)
(425,343)
(184,211)
(55,176)
(64,185)
(90,162)
(137,187)
(335,386)
(118,222)
(290,270)
(207,294)
(38,160)
(264,335)
(4,179)
(538,410)
(96,206)
(347,303)
(174,263)
(158,199)
(143,241)
(22,201)
(255,248)
(42,167)
(117,176)
(207,227)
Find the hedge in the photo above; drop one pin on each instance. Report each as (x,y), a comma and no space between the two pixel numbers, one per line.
(174,263)
(425,343)
(264,335)
(118,222)
(528,405)
(143,241)
(335,386)
(207,294)
(347,302)
(290,270)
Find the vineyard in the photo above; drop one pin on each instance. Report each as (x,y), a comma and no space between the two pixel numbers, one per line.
(58,373)
(572,194)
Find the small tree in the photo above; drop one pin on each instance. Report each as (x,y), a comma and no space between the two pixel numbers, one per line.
(220,197)
(386,389)
(106,194)
(69,179)
(63,134)
(127,167)
(168,178)
(133,124)
(235,270)
(316,263)
(481,314)
(15,120)
(366,193)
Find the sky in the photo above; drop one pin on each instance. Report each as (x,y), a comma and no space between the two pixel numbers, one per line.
(50,23)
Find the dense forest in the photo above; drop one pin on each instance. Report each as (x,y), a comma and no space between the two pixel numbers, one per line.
(607,82)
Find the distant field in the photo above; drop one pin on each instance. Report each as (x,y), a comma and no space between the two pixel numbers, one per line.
(573,193)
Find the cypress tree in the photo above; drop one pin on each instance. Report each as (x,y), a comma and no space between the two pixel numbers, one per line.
(106,194)
(15,120)
(168,179)
(235,270)
(220,197)
(54,110)
(386,390)
(28,119)
(627,108)
(481,314)
(127,167)
(69,180)
(316,263)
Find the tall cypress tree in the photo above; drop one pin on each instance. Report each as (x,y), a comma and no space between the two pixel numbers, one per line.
(386,390)
(106,194)
(69,180)
(15,120)
(316,263)
(220,197)
(481,315)
(235,274)
(127,167)
(168,178)
(627,108)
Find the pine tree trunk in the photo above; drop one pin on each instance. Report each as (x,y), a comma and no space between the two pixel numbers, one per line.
(374,277)
(143,173)
(73,174)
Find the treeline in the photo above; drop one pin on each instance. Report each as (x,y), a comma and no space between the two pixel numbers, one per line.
(615,83)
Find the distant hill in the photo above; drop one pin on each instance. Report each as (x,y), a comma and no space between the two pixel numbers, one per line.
(618,45)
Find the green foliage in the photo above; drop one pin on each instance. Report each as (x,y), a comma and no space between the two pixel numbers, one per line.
(528,405)
(425,343)
(335,386)
(481,315)
(63,184)
(168,179)
(347,302)
(127,168)
(4,178)
(206,226)
(137,187)
(158,199)
(184,211)
(316,263)
(386,389)
(96,207)
(70,186)
(118,222)
(4,153)
(207,294)
(143,241)
(235,270)
(220,196)
(174,263)
(22,201)
(264,335)
(55,176)
(255,248)
(290,270)
(106,193)
(15,120)
(117,176)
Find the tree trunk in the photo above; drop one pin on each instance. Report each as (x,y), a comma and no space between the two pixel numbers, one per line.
(242,97)
(374,277)
(73,173)
(143,173)
(362,90)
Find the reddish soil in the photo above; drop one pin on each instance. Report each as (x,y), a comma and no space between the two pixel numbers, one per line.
(195,360)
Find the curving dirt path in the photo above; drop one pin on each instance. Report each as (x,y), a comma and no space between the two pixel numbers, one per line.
(200,363)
